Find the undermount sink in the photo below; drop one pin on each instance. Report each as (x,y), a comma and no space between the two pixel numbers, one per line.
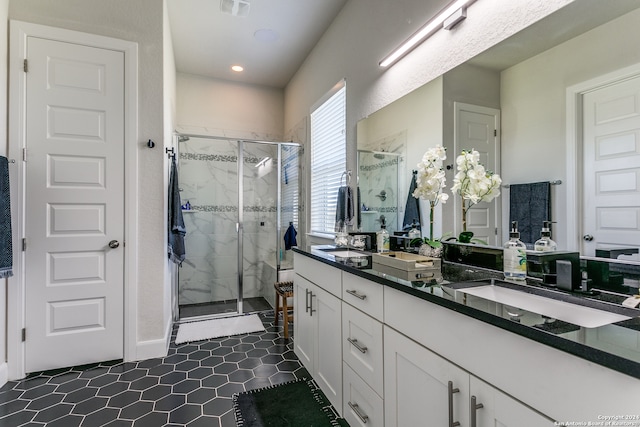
(583,312)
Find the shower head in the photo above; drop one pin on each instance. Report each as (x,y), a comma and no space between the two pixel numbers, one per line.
(183,138)
(378,154)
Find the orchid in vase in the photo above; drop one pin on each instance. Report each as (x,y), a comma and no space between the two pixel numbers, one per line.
(474,184)
(430,183)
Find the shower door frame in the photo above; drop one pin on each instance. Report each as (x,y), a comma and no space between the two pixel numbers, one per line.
(240,218)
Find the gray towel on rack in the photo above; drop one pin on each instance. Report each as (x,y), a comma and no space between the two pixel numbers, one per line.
(412,208)
(177,230)
(6,248)
(344,208)
(530,205)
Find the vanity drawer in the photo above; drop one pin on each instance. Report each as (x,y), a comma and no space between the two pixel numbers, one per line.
(361,405)
(323,275)
(363,294)
(362,346)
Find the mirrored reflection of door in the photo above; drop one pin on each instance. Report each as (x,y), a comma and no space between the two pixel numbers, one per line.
(611,181)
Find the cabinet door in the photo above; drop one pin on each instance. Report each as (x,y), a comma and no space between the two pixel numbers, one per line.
(303,343)
(327,315)
(417,385)
(499,409)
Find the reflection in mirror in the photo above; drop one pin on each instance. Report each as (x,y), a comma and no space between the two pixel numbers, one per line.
(543,75)
(378,178)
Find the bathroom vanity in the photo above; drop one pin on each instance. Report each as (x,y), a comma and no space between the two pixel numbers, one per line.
(392,352)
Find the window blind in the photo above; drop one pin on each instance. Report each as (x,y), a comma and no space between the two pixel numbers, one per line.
(328,160)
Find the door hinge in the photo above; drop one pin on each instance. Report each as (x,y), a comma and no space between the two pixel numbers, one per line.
(24,334)
(496,231)
(24,154)
(495,132)
(25,66)
(24,244)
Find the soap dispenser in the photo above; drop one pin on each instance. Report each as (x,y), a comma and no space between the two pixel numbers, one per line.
(515,256)
(414,233)
(382,238)
(544,243)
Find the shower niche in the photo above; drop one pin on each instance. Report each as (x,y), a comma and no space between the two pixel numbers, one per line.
(243,196)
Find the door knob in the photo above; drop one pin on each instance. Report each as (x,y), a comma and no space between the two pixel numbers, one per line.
(587,237)
(114,244)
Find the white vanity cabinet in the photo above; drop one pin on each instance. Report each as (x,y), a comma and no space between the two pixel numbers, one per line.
(318,322)
(423,388)
(491,407)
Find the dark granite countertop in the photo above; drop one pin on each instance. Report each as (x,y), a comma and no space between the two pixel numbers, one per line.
(615,346)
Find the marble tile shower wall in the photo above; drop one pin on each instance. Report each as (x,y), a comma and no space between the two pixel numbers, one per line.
(209,181)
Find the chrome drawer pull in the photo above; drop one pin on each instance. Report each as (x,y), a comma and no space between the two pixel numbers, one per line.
(311,309)
(450,393)
(356,345)
(356,409)
(474,408)
(356,294)
(306,300)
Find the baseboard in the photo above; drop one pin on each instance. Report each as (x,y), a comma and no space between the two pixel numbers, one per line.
(152,349)
(4,373)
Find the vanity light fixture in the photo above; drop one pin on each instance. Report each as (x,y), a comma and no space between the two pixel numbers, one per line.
(449,17)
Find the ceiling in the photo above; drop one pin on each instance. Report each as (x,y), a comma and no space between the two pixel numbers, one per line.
(271,42)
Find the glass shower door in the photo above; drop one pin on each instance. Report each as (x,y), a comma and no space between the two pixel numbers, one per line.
(208,278)
(259,225)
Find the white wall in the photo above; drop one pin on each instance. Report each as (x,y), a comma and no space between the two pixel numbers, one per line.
(140,21)
(208,106)
(4,43)
(533,106)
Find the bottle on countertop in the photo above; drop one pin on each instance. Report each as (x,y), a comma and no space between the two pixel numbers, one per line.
(382,238)
(544,243)
(515,256)
(414,233)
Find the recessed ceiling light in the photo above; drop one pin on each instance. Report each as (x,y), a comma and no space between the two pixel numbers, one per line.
(237,68)
(266,35)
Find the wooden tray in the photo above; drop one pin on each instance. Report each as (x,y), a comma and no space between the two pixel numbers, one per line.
(415,275)
(406,262)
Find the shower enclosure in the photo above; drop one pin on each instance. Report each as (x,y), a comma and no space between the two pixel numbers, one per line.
(378,179)
(242,197)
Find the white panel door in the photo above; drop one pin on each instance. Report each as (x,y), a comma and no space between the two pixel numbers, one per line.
(611,181)
(477,129)
(74,204)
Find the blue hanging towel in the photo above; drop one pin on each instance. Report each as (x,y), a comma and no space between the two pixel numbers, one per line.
(177,230)
(290,237)
(6,250)
(412,208)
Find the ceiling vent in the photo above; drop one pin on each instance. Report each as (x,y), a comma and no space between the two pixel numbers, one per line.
(235,7)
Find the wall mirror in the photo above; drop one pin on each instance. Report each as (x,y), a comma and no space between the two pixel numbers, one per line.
(572,77)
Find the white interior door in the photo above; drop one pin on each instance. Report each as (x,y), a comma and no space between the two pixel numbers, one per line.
(611,181)
(74,204)
(478,128)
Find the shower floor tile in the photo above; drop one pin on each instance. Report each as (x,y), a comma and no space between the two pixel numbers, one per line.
(193,385)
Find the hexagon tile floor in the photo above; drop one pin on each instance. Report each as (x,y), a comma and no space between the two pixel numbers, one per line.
(192,386)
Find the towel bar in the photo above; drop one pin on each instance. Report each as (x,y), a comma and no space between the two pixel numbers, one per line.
(556,182)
